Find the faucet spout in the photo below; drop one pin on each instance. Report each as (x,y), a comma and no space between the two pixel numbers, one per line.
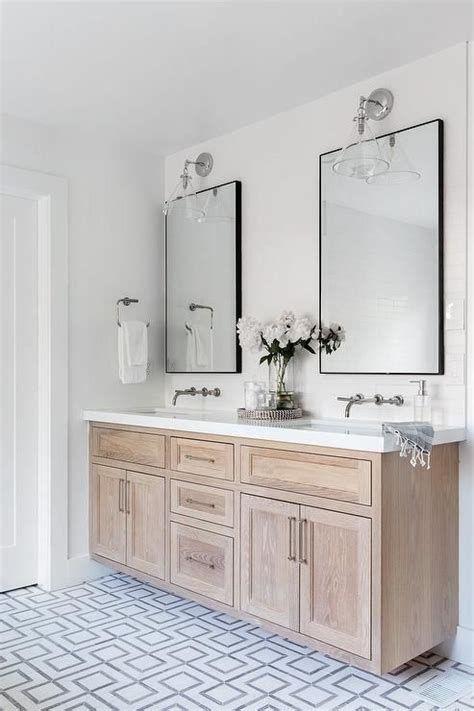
(357,399)
(188,391)
(354,400)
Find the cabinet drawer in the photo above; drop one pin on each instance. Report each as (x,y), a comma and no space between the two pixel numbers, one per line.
(203,502)
(126,446)
(202,561)
(194,456)
(330,477)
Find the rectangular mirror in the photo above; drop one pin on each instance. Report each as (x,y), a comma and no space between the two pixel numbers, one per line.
(203,282)
(381,258)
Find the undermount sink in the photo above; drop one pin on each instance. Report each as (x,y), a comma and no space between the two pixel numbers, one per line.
(181,413)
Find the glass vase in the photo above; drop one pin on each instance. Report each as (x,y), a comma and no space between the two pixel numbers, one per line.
(280,374)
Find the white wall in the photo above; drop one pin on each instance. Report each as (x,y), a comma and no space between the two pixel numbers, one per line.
(462,647)
(276,160)
(115,249)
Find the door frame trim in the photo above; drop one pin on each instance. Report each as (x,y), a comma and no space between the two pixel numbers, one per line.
(51,194)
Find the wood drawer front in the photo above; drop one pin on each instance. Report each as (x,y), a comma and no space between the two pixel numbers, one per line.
(330,477)
(126,446)
(202,561)
(203,502)
(194,456)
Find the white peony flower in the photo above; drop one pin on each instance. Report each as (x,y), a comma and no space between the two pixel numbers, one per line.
(287,319)
(250,333)
(301,329)
(273,331)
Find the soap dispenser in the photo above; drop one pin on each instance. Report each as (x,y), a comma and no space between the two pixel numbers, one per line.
(422,403)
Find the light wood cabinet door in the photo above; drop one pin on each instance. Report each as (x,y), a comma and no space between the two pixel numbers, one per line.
(335,598)
(269,569)
(108,517)
(145,507)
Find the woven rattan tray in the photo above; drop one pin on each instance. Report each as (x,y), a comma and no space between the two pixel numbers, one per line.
(270,415)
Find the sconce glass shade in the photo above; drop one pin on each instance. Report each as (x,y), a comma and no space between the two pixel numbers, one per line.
(184,200)
(361,156)
(213,209)
(401,169)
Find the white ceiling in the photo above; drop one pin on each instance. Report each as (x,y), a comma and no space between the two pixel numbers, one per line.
(165,75)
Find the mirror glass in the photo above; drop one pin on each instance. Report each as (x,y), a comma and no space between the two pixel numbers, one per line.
(381,258)
(203,282)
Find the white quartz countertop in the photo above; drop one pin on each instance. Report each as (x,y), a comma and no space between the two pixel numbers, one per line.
(359,435)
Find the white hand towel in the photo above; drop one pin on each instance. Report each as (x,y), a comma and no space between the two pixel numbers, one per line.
(132,353)
(136,342)
(196,356)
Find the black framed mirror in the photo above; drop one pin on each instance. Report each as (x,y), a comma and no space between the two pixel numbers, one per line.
(203,281)
(381,258)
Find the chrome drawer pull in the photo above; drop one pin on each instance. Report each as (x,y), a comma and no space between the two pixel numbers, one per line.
(194,458)
(301,541)
(199,562)
(291,553)
(127,497)
(199,503)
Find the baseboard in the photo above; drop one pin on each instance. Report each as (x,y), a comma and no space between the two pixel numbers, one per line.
(82,568)
(460,648)
(75,571)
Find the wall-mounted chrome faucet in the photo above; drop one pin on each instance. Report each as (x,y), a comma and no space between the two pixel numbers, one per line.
(377,399)
(192,391)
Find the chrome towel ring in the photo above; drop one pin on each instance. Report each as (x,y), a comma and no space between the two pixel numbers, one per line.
(126,301)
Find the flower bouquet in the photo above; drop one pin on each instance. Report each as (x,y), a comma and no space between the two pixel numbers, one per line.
(281,339)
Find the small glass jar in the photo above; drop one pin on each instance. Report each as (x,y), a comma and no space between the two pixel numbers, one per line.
(255,395)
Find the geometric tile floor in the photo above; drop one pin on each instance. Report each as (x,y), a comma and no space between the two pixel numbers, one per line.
(116,643)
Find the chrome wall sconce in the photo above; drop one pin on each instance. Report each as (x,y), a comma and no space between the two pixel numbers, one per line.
(361,156)
(190,207)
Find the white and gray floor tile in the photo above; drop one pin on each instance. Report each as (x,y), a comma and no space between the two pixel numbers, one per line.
(116,643)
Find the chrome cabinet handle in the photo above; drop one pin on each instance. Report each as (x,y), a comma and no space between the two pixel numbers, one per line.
(121,505)
(291,542)
(194,458)
(199,503)
(127,497)
(199,562)
(301,541)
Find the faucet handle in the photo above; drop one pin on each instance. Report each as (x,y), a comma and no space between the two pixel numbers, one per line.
(357,396)
(206,391)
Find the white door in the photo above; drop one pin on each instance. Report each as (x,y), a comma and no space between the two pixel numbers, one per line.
(18,392)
